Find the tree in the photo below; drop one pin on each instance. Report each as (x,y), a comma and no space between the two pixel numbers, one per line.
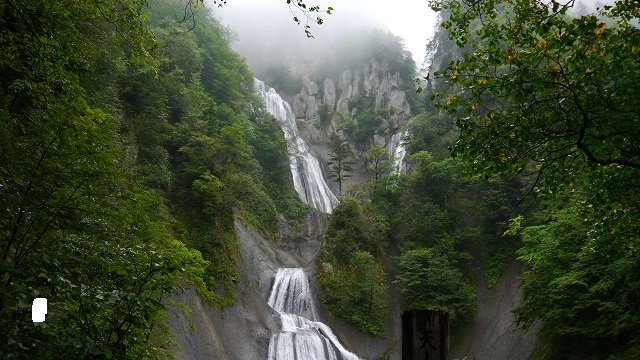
(356,292)
(78,226)
(366,120)
(586,291)
(558,91)
(339,163)
(379,163)
(432,131)
(540,93)
(439,179)
(428,281)
(352,277)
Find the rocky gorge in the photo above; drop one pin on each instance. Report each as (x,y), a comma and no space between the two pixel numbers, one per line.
(322,103)
(245,329)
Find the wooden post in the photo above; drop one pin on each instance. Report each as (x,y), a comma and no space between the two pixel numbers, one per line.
(425,335)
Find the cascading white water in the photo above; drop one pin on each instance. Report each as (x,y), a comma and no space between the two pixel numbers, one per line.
(398,152)
(300,338)
(305,168)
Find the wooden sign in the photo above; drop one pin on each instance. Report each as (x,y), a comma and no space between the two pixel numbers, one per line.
(425,335)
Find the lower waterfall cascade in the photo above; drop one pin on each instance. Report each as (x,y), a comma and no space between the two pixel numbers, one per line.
(308,179)
(300,338)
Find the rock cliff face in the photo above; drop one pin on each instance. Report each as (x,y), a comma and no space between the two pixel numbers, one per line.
(322,101)
(493,334)
(242,331)
(372,80)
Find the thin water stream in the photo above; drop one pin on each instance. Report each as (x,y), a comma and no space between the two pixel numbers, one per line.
(397,150)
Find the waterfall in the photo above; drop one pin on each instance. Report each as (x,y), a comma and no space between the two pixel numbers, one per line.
(300,338)
(305,168)
(398,152)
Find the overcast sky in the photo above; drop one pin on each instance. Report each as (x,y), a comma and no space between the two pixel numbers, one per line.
(412,20)
(261,23)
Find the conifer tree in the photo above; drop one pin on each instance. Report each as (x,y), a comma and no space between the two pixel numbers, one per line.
(340,163)
(379,164)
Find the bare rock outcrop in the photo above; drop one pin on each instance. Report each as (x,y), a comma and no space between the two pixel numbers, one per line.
(242,331)
(493,334)
(330,94)
(323,102)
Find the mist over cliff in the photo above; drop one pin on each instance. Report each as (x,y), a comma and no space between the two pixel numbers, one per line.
(266,35)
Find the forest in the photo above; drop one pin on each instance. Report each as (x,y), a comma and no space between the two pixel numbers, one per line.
(133,140)
(548,92)
(129,138)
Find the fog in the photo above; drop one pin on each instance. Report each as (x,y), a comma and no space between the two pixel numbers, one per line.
(266,32)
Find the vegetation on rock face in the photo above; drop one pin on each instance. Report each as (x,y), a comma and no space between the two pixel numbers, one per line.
(434,217)
(554,97)
(379,166)
(340,161)
(429,281)
(439,219)
(364,120)
(126,145)
(353,281)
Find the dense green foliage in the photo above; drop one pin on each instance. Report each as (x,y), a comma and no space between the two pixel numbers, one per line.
(353,281)
(434,217)
(225,151)
(437,220)
(555,98)
(429,281)
(481,208)
(379,165)
(577,292)
(125,146)
(364,120)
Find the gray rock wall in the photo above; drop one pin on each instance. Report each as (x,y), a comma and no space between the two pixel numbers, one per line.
(373,80)
(493,334)
(243,331)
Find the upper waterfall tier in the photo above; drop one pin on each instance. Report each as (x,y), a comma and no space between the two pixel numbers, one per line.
(308,179)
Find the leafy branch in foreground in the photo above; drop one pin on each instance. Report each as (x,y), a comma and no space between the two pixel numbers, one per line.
(299,9)
(539,86)
(538,92)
